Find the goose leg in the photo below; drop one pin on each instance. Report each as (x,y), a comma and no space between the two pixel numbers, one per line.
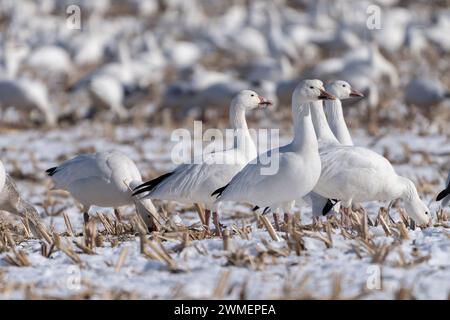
(276,220)
(117,214)
(207,218)
(86,217)
(217,224)
(287,217)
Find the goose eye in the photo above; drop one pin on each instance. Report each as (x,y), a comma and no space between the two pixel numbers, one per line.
(343,85)
(252,95)
(311,87)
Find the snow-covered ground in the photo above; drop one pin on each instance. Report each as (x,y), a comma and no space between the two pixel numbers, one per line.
(123,75)
(253,266)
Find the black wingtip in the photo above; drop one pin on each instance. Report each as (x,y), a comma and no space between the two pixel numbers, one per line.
(443,194)
(51,171)
(150,185)
(328,206)
(255,208)
(219,191)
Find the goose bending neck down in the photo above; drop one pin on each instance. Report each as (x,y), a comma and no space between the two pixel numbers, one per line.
(104,179)
(298,162)
(194,183)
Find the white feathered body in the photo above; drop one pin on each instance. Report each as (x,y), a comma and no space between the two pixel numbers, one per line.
(296,176)
(99,179)
(355,174)
(194,183)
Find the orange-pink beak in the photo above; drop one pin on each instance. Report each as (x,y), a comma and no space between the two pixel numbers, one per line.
(356,93)
(263,102)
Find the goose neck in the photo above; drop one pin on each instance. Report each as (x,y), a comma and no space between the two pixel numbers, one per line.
(305,139)
(242,139)
(336,121)
(321,127)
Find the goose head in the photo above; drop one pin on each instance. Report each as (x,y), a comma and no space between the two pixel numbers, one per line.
(342,90)
(414,206)
(310,91)
(249,100)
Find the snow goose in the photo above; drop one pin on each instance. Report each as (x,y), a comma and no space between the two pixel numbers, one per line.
(444,195)
(103,179)
(334,113)
(299,161)
(194,183)
(325,136)
(354,174)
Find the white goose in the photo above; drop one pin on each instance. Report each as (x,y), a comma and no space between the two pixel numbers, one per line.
(103,179)
(299,161)
(194,183)
(326,137)
(444,195)
(355,174)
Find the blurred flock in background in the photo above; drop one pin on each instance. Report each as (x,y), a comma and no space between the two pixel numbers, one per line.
(86,76)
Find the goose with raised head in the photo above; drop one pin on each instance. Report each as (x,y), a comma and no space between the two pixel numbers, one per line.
(298,162)
(194,183)
(103,179)
(326,137)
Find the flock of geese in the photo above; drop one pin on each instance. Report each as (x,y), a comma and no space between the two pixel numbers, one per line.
(320,166)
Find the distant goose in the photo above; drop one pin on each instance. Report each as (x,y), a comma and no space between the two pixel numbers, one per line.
(444,195)
(103,179)
(27,95)
(194,183)
(299,161)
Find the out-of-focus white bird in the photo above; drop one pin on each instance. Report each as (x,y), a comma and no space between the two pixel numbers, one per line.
(27,95)
(50,59)
(104,179)
(425,92)
(107,93)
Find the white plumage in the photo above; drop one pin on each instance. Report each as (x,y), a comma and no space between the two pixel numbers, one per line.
(355,174)
(194,183)
(103,179)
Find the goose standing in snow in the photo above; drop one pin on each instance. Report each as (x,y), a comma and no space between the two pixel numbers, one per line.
(194,183)
(299,161)
(444,195)
(325,136)
(103,179)
(355,174)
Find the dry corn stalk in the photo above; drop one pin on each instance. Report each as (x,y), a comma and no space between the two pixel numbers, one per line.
(270,228)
